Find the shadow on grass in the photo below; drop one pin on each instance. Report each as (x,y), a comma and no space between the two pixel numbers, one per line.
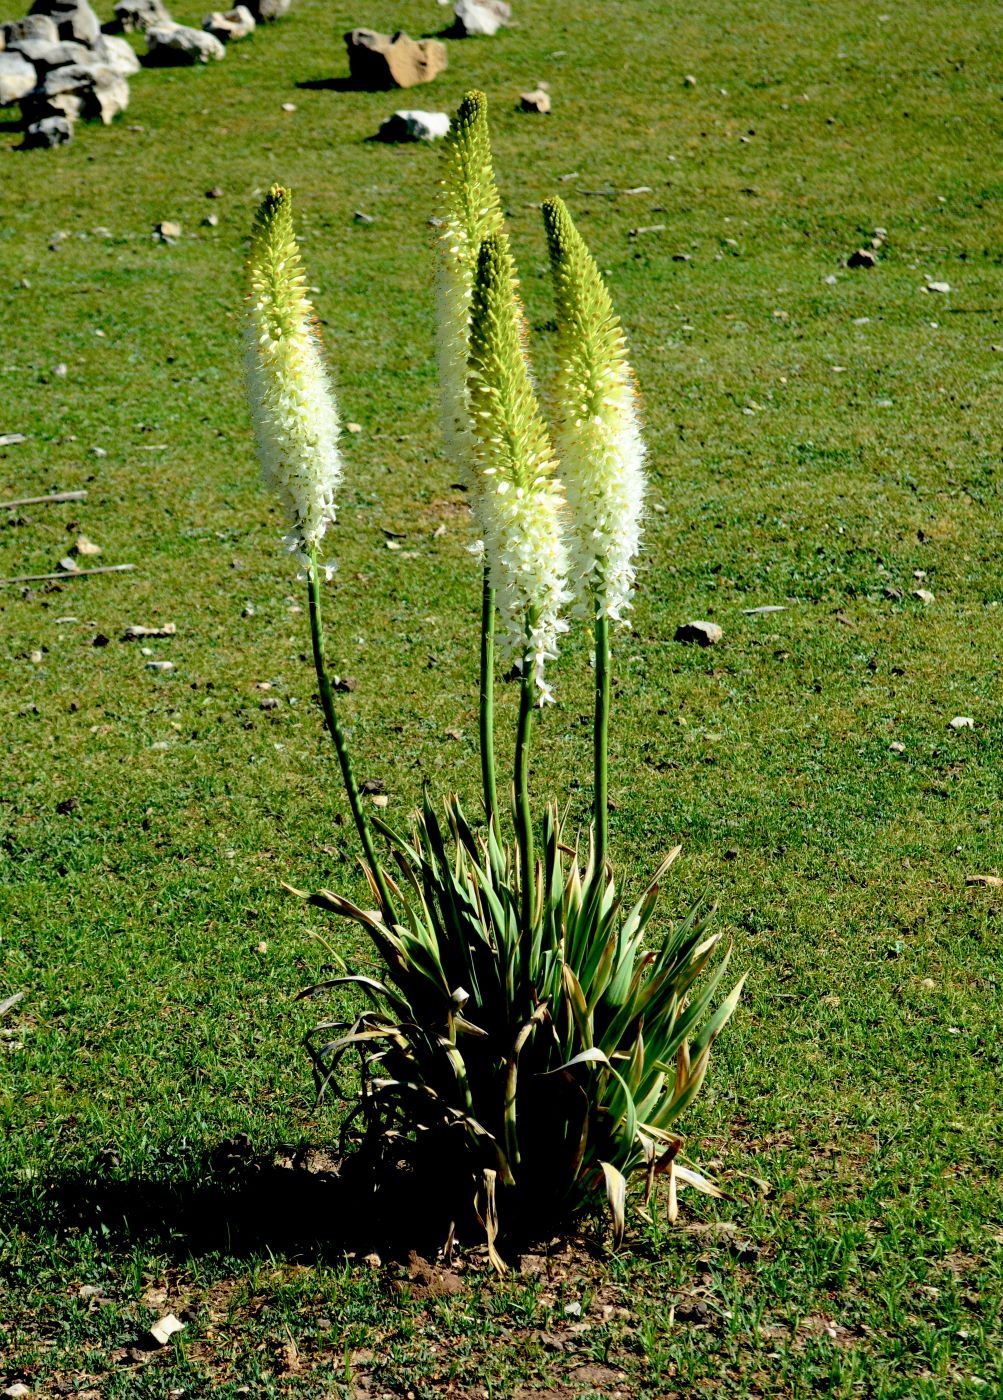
(332,85)
(236,1203)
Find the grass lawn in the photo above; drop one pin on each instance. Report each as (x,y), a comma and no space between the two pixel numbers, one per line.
(822,439)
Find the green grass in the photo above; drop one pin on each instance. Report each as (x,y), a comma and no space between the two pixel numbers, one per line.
(861,1075)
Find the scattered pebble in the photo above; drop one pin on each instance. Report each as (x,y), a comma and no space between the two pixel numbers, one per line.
(160,665)
(211,221)
(705,634)
(938,287)
(990,881)
(380,799)
(924,595)
(689,81)
(60,371)
(962,722)
(86,546)
(165,1328)
(289,106)
(353,427)
(168,231)
(863,257)
(536,101)
(897,747)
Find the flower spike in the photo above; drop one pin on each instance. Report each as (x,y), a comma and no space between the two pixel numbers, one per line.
(471,210)
(598,437)
(292,403)
(519,500)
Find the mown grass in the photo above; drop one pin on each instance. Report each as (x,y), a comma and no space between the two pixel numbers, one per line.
(800,456)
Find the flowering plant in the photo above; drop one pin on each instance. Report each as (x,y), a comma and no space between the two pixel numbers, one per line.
(521,1018)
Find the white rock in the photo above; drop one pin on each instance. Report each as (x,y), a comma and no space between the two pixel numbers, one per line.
(962,722)
(80,91)
(47,132)
(17,78)
(73,18)
(119,55)
(924,595)
(480,16)
(174,44)
(412,125)
(938,286)
(165,1328)
(535,101)
(705,634)
(230,25)
(160,665)
(31,27)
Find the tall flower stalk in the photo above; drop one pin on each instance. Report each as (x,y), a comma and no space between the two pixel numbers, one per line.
(598,441)
(471,211)
(520,503)
(296,430)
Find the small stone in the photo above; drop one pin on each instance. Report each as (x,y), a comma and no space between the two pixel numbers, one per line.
(229,26)
(924,595)
(480,17)
(572,1309)
(160,665)
(353,427)
(962,722)
(704,634)
(60,371)
(345,683)
(164,1329)
(270,702)
(215,193)
(689,81)
(897,747)
(46,133)
(17,1389)
(69,565)
(378,61)
(373,1261)
(380,800)
(289,106)
(412,125)
(261,948)
(86,546)
(360,218)
(170,45)
(168,231)
(863,257)
(938,286)
(536,101)
(928,984)
(247,610)
(987,881)
(210,221)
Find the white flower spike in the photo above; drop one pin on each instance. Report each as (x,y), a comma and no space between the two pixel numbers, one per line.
(471,210)
(519,500)
(598,437)
(292,403)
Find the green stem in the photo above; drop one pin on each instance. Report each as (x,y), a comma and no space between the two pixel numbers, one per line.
(601,739)
(523,816)
(344,757)
(488,698)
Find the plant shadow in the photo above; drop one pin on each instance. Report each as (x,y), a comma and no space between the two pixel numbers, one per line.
(331,85)
(293,1203)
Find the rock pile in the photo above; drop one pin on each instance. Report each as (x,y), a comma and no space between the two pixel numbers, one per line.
(60,65)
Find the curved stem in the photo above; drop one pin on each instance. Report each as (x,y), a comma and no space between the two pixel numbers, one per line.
(601,740)
(523,816)
(334,726)
(487,707)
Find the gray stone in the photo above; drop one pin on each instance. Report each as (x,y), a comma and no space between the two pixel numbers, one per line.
(412,125)
(73,18)
(31,27)
(118,54)
(45,55)
(266,10)
(174,44)
(17,78)
(78,90)
(378,61)
(480,17)
(705,634)
(50,131)
(230,25)
(137,16)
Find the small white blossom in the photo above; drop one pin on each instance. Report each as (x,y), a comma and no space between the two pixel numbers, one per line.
(292,403)
(598,438)
(519,502)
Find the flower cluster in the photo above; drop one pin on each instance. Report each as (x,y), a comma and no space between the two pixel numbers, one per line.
(598,438)
(292,403)
(471,210)
(520,502)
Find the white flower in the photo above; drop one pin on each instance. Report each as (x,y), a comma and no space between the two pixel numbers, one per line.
(471,210)
(598,438)
(519,501)
(292,403)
